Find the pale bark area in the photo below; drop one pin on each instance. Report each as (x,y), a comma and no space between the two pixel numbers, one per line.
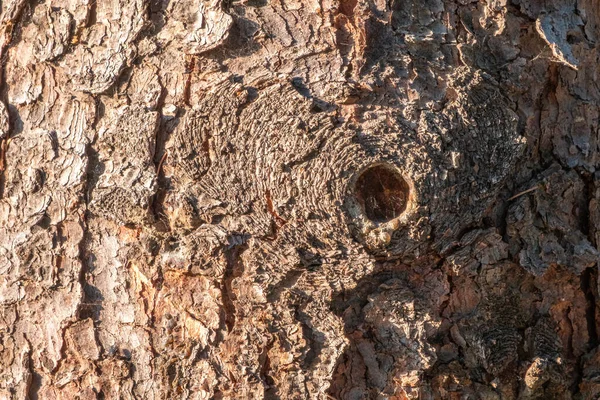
(348,199)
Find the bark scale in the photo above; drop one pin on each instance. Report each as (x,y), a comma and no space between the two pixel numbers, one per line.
(349,199)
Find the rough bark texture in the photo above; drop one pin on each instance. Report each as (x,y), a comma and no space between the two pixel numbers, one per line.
(299,199)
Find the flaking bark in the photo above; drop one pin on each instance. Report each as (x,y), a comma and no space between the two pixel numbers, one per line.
(348,199)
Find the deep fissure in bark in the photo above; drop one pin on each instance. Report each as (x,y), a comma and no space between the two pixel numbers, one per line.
(234,269)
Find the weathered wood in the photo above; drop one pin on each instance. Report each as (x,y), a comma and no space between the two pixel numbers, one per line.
(347,199)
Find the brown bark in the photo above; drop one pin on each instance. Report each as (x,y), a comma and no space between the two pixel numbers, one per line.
(348,199)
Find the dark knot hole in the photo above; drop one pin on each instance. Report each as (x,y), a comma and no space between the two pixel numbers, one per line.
(382,192)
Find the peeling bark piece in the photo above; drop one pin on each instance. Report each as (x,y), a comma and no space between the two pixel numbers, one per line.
(80,10)
(105,48)
(48,34)
(211,27)
(26,84)
(145,88)
(554,28)
(94,70)
(198,26)
(546,233)
(82,340)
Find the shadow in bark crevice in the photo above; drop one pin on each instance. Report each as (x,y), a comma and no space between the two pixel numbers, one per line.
(351,376)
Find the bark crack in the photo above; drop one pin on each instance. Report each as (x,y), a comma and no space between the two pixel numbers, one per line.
(589,284)
(89,307)
(10,18)
(3,149)
(234,269)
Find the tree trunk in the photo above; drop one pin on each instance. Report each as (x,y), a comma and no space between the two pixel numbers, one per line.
(299,199)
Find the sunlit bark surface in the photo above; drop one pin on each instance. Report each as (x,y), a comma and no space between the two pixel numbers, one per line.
(299,199)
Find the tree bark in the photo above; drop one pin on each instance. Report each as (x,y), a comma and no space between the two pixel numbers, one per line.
(299,199)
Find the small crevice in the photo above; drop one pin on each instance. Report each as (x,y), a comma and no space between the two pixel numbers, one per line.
(160,156)
(277,222)
(315,347)
(152,331)
(92,13)
(589,277)
(91,302)
(189,71)
(3,148)
(59,240)
(270,389)
(589,283)
(446,302)
(584,206)
(35,382)
(234,269)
